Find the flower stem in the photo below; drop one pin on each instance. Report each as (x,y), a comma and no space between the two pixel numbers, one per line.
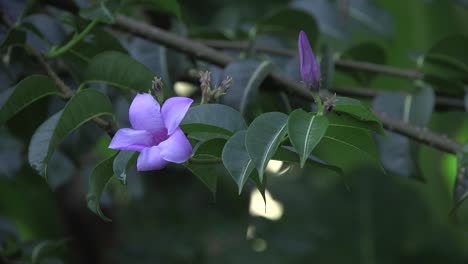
(318,101)
(55,52)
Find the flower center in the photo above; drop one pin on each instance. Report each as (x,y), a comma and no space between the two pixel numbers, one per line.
(159,136)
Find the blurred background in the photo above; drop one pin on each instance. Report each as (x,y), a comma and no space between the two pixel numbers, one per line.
(311,215)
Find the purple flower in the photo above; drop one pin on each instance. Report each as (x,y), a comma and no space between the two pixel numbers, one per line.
(310,69)
(155,132)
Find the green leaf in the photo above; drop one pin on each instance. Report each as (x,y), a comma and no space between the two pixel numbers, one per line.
(466,101)
(98,12)
(98,180)
(236,159)
(26,92)
(368,52)
(14,37)
(305,132)
(247,76)
(263,138)
(354,108)
(120,70)
(213,118)
(84,106)
(212,148)
(347,121)
(289,21)
(449,53)
(288,154)
(46,248)
(122,163)
(419,106)
(347,142)
(169,6)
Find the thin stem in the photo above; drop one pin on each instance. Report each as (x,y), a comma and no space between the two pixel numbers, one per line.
(318,101)
(55,52)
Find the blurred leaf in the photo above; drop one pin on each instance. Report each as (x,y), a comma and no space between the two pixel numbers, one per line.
(26,92)
(169,6)
(46,248)
(247,76)
(236,159)
(450,52)
(122,162)
(98,12)
(327,67)
(305,132)
(82,107)
(366,52)
(466,102)
(263,138)
(213,118)
(420,105)
(60,170)
(354,108)
(98,180)
(14,37)
(290,21)
(10,154)
(120,70)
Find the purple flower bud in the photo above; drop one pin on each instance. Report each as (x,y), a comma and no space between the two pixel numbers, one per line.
(310,69)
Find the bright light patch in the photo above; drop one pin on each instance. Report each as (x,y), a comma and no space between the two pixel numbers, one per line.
(274,166)
(250,232)
(184,88)
(274,211)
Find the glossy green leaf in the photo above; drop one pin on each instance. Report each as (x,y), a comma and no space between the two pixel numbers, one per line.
(236,159)
(366,52)
(46,248)
(289,154)
(26,92)
(305,132)
(289,21)
(346,121)
(355,142)
(14,37)
(263,138)
(84,106)
(98,180)
(211,148)
(120,70)
(354,108)
(247,76)
(99,12)
(122,162)
(213,118)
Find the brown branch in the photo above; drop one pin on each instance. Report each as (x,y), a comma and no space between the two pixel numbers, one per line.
(67,92)
(339,63)
(203,52)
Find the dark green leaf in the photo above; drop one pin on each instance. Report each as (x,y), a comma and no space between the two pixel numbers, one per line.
(236,159)
(98,12)
(420,105)
(450,53)
(354,108)
(212,148)
(368,52)
(290,21)
(213,118)
(207,171)
(15,37)
(305,132)
(84,106)
(169,6)
(122,163)
(120,70)
(26,92)
(263,138)
(46,248)
(341,120)
(288,154)
(247,77)
(98,180)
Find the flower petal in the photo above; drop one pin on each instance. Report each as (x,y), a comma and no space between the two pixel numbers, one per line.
(176,148)
(131,139)
(310,69)
(150,159)
(173,111)
(145,113)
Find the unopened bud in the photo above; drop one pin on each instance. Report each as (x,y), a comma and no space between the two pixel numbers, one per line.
(158,89)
